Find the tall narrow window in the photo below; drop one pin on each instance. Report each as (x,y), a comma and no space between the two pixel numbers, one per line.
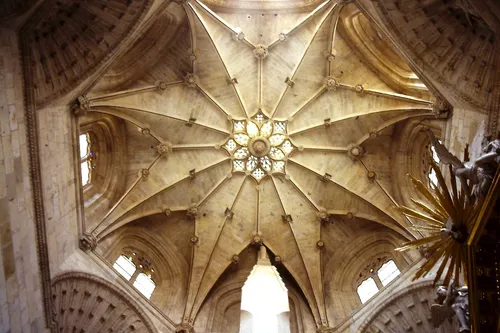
(388,272)
(367,289)
(433,181)
(137,270)
(85,158)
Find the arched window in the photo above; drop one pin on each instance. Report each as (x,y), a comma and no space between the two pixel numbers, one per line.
(388,272)
(433,181)
(379,276)
(137,270)
(86,157)
(367,289)
(144,284)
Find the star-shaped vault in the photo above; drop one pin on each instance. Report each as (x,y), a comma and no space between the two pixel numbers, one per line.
(323,112)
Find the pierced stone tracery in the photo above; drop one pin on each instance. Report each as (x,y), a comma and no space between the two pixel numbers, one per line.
(260,146)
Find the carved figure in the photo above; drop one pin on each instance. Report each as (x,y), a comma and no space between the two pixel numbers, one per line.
(480,173)
(452,301)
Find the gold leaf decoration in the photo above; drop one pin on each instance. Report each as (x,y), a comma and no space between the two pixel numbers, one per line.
(447,220)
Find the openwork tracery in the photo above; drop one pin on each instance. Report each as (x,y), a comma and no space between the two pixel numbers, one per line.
(260,146)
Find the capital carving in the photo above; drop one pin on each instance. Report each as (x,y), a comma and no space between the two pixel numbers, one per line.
(440,107)
(193,213)
(190,80)
(331,83)
(324,329)
(257,240)
(88,242)
(323,216)
(356,152)
(184,328)
(164,148)
(260,52)
(81,106)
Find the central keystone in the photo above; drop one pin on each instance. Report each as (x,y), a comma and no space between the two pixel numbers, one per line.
(259,146)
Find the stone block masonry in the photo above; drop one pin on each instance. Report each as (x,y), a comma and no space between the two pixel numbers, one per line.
(21,306)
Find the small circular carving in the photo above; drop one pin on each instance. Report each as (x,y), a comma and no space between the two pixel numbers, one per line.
(260,51)
(259,146)
(320,244)
(194,240)
(278,260)
(257,240)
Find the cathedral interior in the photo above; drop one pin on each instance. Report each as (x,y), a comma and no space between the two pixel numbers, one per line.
(242,166)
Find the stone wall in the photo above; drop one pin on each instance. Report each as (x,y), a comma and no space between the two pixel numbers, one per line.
(21,306)
(461,129)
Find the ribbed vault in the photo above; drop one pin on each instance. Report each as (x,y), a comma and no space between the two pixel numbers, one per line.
(339,115)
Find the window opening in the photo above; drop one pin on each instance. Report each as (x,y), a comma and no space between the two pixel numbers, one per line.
(367,289)
(265,296)
(388,272)
(86,157)
(144,284)
(125,266)
(137,270)
(433,181)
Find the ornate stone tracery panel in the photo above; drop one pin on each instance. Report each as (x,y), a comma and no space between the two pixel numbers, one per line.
(86,303)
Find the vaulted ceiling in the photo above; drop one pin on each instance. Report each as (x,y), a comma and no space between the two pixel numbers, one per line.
(325,73)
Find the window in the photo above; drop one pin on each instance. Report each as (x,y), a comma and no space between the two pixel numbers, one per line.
(144,284)
(137,270)
(367,289)
(433,181)
(86,156)
(388,272)
(125,266)
(379,276)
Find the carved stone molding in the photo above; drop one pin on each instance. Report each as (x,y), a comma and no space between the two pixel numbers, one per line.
(331,83)
(260,52)
(191,80)
(184,328)
(88,242)
(91,304)
(164,149)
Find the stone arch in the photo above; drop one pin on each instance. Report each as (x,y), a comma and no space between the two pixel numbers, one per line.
(360,244)
(86,303)
(406,311)
(170,261)
(107,135)
(411,156)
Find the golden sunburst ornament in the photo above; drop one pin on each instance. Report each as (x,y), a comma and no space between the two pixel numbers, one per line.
(259,146)
(449,218)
